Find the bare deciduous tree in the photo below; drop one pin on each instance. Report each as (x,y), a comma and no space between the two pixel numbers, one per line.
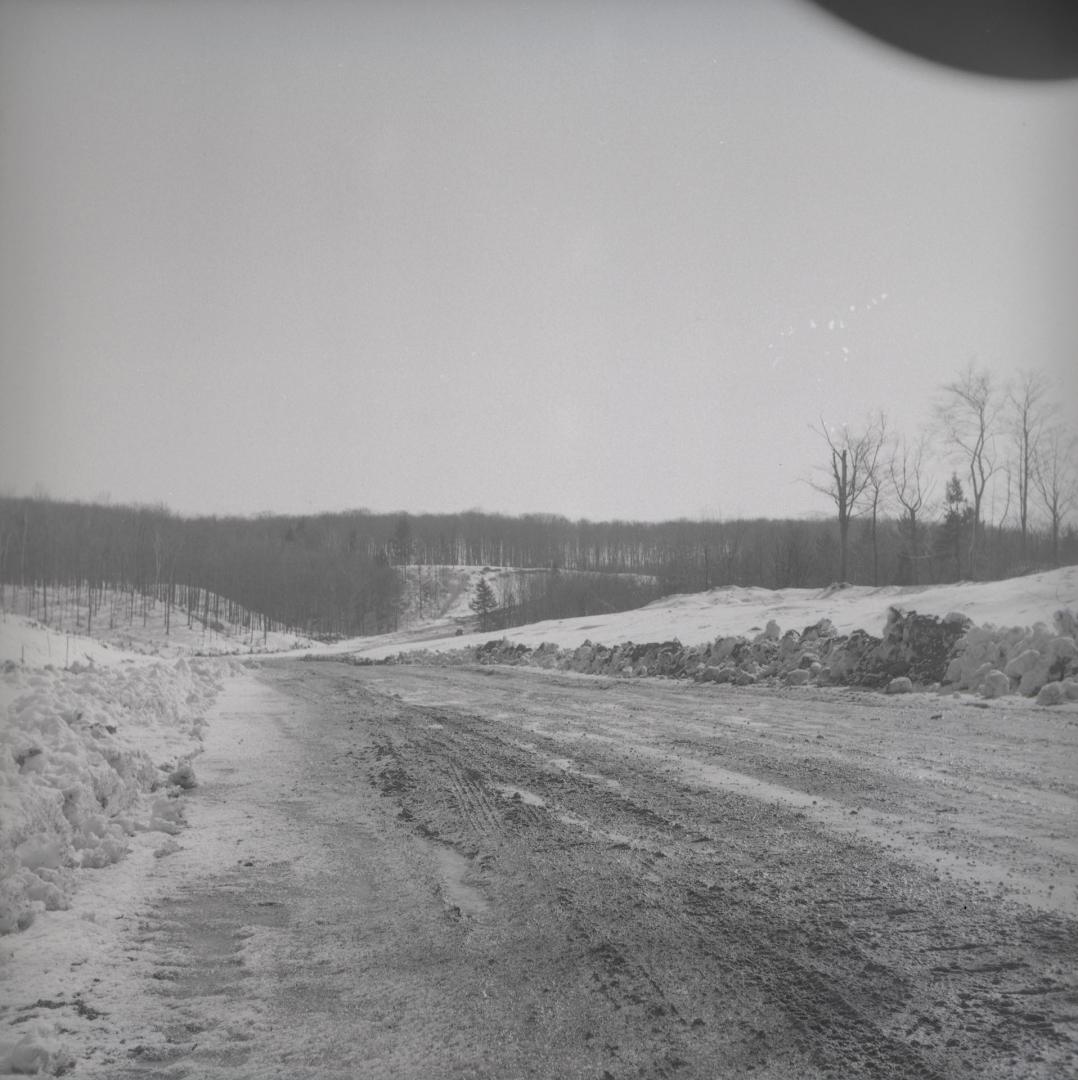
(876,494)
(968,414)
(854,462)
(912,489)
(1029,415)
(1055,475)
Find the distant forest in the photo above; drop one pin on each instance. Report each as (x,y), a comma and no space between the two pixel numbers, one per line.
(336,574)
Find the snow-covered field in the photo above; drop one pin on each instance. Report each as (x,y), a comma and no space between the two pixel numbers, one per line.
(99,736)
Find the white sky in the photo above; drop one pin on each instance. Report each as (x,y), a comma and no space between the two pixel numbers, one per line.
(527,256)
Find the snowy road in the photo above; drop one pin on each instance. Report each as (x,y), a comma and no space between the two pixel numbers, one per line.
(420,872)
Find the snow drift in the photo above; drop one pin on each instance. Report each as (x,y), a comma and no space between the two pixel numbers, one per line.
(89,755)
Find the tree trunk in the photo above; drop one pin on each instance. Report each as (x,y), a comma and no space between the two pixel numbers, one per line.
(843,520)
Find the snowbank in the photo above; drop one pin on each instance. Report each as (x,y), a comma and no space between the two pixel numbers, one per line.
(89,755)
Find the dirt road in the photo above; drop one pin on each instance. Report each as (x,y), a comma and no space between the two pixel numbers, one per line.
(497,873)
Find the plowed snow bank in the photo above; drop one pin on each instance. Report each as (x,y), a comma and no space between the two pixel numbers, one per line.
(89,756)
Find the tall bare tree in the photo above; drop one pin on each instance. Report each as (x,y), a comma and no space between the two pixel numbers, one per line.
(1029,414)
(912,488)
(1055,474)
(968,415)
(854,461)
(876,495)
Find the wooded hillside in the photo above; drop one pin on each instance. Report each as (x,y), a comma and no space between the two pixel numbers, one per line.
(336,574)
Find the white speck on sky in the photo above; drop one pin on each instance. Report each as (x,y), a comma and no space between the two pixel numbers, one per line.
(418,255)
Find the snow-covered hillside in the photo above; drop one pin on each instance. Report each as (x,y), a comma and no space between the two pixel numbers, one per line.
(696,618)
(441,594)
(147,629)
(995,638)
(437,595)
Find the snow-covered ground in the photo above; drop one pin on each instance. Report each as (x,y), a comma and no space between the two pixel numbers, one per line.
(96,749)
(148,630)
(92,753)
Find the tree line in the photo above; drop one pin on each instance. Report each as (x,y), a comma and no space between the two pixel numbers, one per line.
(338,574)
(1005,506)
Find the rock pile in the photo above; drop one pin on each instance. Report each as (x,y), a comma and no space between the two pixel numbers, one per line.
(1040,660)
(915,651)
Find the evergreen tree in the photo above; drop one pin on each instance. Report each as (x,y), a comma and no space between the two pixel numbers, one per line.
(958,515)
(484,603)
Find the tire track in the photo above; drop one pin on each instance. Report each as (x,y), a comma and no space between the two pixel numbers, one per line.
(699,924)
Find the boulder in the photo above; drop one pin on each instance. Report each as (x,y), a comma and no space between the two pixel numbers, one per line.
(1063,648)
(822,629)
(790,644)
(996,684)
(1051,694)
(900,685)
(1023,662)
(718,674)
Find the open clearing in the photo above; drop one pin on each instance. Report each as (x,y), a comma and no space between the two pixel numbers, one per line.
(495,872)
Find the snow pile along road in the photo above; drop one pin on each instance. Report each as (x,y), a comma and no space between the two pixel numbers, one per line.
(89,756)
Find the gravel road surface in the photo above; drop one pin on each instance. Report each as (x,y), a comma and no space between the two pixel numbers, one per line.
(500,872)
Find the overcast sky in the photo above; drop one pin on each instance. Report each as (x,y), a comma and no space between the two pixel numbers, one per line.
(596,259)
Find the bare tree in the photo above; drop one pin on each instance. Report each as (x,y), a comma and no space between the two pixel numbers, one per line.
(1028,414)
(912,488)
(968,415)
(854,461)
(1055,474)
(875,493)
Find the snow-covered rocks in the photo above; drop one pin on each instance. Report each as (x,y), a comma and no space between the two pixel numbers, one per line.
(80,752)
(916,651)
(996,684)
(1030,658)
(1055,693)
(35,1051)
(183,777)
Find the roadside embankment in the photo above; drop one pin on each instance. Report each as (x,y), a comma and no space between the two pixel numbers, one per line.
(915,651)
(90,756)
